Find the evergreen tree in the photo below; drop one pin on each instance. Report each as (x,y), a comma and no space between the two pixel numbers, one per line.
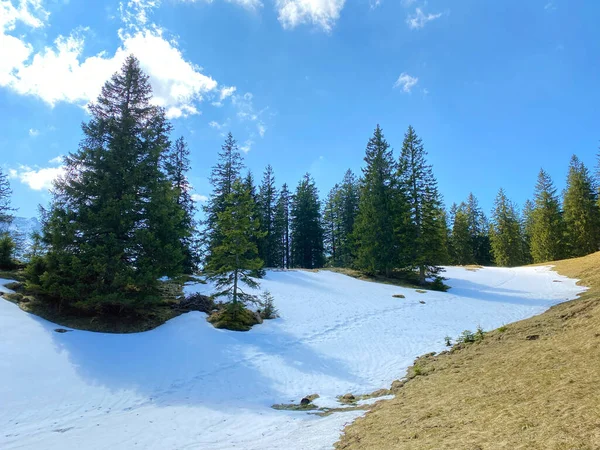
(267,205)
(306,227)
(547,231)
(479,232)
(581,211)
(377,249)
(505,232)
(5,194)
(235,259)
(348,211)
(114,224)
(461,248)
(282,228)
(526,228)
(227,170)
(331,222)
(425,228)
(177,166)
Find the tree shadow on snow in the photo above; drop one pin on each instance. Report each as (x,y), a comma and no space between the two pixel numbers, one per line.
(187,361)
(470,289)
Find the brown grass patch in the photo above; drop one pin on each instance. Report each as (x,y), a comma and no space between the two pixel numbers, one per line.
(506,391)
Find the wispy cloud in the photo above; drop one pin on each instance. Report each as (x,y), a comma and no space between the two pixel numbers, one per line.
(550,6)
(406,82)
(33,132)
(419,19)
(321,13)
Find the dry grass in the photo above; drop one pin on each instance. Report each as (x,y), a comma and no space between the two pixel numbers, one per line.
(505,392)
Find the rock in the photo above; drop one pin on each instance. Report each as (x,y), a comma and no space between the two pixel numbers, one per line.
(305,401)
(397,385)
(61,330)
(533,337)
(258,317)
(422,302)
(348,397)
(398,296)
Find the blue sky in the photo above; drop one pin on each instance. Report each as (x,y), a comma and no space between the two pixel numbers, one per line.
(496,89)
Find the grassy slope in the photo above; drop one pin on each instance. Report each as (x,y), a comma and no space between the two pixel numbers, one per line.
(506,392)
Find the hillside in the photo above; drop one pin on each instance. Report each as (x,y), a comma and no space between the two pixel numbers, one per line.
(187,384)
(534,386)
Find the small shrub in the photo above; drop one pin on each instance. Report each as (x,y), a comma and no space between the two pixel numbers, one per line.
(196,302)
(233,316)
(502,329)
(448,341)
(7,251)
(398,296)
(479,334)
(438,285)
(267,303)
(466,337)
(417,370)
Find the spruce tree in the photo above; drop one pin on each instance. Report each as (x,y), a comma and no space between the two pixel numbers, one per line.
(306,227)
(348,204)
(505,232)
(235,259)
(425,228)
(177,166)
(5,195)
(547,231)
(581,212)
(282,228)
(377,249)
(479,231)
(526,228)
(227,170)
(331,224)
(461,248)
(113,228)
(267,199)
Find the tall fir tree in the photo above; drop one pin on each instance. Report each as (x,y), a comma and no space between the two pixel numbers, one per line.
(177,166)
(505,232)
(348,204)
(267,205)
(282,228)
(235,259)
(425,229)
(479,231)
(526,230)
(227,170)
(375,227)
(547,230)
(113,228)
(6,210)
(306,226)
(331,225)
(581,212)
(461,248)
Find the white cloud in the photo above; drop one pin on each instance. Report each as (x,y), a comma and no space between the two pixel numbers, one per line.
(226,91)
(322,13)
(214,124)
(420,19)
(199,198)
(59,73)
(57,160)
(261,129)
(33,132)
(37,178)
(406,82)
(247,146)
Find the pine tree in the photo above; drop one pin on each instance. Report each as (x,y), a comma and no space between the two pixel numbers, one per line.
(526,228)
(177,166)
(306,226)
(114,224)
(547,231)
(348,204)
(377,250)
(227,170)
(581,211)
(331,225)
(235,259)
(282,228)
(5,194)
(479,231)
(461,248)
(267,199)
(505,232)
(425,229)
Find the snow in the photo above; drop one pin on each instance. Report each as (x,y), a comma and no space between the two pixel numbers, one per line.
(186,385)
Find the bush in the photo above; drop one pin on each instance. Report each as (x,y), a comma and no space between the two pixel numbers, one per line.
(267,304)
(7,252)
(479,334)
(196,302)
(438,285)
(233,316)
(466,337)
(448,341)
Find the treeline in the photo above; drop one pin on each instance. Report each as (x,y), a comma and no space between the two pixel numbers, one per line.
(122,217)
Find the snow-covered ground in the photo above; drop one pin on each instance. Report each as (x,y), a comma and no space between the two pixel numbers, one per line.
(186,385)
